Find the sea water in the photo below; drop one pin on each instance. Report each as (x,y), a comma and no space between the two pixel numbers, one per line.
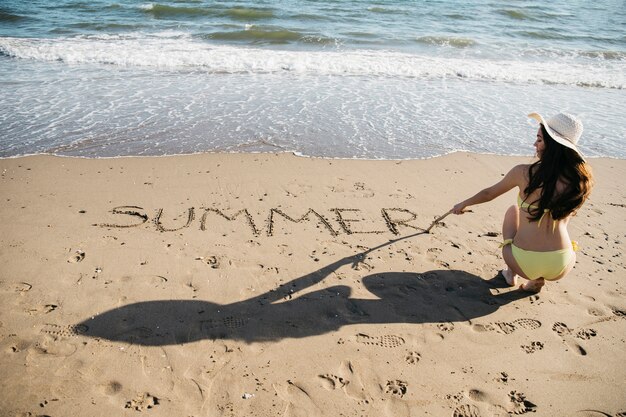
(340,79)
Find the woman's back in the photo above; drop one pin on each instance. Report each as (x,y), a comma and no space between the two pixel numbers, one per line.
(543,235)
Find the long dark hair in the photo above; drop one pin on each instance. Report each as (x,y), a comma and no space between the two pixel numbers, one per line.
(558,162)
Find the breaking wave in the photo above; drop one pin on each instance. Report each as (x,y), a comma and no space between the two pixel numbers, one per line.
(173,52)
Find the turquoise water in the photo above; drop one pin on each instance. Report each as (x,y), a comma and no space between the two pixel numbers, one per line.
(343,79)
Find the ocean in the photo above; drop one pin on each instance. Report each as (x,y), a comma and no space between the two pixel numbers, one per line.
(336,79)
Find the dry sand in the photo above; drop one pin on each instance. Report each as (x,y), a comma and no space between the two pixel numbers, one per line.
(196,286)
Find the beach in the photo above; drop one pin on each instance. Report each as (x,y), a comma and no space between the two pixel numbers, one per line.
(270,284)
(229,208)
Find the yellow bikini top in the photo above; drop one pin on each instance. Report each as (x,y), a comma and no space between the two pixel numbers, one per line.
(524,205)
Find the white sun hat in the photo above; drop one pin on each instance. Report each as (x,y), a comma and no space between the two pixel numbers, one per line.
(564,128)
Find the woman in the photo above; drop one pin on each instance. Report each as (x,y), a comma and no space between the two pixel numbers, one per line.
(536,243)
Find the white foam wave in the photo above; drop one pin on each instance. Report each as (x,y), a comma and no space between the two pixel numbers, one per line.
(173,51)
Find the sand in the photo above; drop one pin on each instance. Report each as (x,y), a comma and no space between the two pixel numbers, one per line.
(273,285)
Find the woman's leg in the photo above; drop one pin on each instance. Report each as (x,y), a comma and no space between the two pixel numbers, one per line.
(509,230)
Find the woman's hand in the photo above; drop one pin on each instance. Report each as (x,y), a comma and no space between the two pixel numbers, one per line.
(458,208)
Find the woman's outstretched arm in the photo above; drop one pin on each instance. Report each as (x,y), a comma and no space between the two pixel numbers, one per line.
(514,178)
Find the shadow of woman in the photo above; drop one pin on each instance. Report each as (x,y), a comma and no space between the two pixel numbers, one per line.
(430,297)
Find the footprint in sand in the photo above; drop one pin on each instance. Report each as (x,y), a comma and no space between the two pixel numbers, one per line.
(446,327)
(42,309)
(142,402)
(386,341)
(566,334)
(226,410)
(519,403)
(367,192)
(481,328)
(586,334)
(156,281)
(506,328)
(55,341)
(77,257)
(50,345)
(396,388)
(349,380)
(561,329)
(620,313)
(17,346)
(210,260)
(220,328)
(466,410)
(455,398)
(64,331)
(503,378)
(533,347)
(483,404)
(477,395)
(229,322)
(412,358)
(579,349)
(523,323)
(528,324)
(596,312)
(234,322)
(330,382)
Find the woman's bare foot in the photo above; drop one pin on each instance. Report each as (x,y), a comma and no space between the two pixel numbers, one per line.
(510,277)
(533,286)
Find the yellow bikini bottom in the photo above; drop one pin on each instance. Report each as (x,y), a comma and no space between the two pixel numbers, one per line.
(547,265)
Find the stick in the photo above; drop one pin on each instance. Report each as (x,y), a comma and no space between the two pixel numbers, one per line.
(437,220)
(440,218)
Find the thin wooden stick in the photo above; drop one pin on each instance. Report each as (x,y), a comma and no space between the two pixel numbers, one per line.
(440,218)
(437,220)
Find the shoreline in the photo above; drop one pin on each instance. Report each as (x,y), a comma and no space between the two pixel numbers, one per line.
(228,284)
(293,153)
